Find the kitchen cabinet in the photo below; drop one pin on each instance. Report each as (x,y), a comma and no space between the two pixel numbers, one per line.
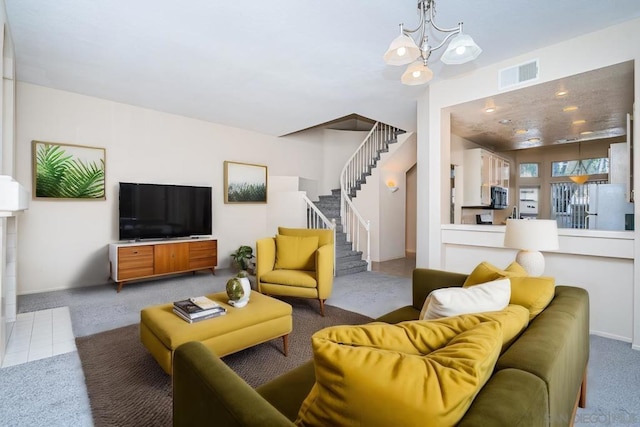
(482,170)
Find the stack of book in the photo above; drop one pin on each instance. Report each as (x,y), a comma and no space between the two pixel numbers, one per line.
(197,309)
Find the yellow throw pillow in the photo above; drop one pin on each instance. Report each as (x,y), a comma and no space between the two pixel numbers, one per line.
(533,293)
(517,269)
(296,253)
(486,272)
(421,371)
(513,320)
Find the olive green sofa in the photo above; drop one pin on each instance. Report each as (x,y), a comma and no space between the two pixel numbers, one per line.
(538,381)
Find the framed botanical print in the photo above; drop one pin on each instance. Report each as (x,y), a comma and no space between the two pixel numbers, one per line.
(245,183)
(68,172)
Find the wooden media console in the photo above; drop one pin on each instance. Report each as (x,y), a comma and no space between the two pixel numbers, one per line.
(144,260)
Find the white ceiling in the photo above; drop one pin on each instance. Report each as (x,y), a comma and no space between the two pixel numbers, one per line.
(271,66)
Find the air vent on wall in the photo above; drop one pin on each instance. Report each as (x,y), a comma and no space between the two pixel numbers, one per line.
(513,76)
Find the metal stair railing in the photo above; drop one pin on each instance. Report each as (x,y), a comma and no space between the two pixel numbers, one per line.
(353,175)
(316,219)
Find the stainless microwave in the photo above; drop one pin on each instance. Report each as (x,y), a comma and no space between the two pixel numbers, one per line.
(499,197)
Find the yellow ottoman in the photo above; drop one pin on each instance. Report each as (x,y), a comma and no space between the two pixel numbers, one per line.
(263,319)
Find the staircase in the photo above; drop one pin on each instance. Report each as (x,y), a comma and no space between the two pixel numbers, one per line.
(338,205)
(348,261)
(382,146)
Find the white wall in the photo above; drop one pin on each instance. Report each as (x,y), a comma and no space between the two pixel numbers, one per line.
(411,219)
(560,60)
(287,207)
(63,244)
(8,226)
(338,145)
(393,206)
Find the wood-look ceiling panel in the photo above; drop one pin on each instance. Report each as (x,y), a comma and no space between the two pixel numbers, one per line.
(603,98)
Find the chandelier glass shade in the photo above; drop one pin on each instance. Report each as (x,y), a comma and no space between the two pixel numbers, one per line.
(579,179)
(416,74)
(579,175)
(461,49)
(404,49)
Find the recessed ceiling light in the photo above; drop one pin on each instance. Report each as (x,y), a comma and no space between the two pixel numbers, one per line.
(489,110)
(570,108)
(533,139)
(561,93)
(504,121)
(586,132)
(521,131)
(579,122)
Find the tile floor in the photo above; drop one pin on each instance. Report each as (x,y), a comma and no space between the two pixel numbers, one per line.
(39,334)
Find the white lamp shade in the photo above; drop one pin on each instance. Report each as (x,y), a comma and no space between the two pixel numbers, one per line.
(461,49)
(416,74)
(402,51)
(531,234)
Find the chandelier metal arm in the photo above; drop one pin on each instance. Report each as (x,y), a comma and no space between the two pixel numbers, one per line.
(442,30)
(424,6)
(446,39)
(420,23)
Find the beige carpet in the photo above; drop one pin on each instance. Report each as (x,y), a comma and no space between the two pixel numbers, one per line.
(127,387)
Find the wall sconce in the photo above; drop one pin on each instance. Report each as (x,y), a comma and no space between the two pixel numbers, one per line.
(391,185)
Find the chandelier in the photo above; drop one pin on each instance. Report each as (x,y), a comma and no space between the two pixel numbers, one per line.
(579,175)
(405,50)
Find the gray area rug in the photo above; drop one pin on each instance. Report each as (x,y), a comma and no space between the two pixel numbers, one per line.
(127,387)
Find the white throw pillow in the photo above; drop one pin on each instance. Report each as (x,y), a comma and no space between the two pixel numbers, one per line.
(445,302)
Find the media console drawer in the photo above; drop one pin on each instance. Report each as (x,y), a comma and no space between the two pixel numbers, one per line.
(202,254)
(134,261)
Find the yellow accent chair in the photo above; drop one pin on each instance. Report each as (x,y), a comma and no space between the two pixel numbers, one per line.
(297,262)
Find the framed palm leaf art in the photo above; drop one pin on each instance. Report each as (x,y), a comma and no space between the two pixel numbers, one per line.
(65,171)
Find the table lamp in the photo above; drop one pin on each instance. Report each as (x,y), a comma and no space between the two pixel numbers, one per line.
(531,236)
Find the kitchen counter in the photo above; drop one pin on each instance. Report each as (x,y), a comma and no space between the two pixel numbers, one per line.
(617,244)
(600,261)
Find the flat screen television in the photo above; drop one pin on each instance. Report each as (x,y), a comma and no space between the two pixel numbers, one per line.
(158,211)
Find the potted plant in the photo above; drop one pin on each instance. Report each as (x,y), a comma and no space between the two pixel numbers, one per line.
(244,259)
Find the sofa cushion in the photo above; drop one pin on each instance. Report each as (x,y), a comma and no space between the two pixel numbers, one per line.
(378,373)
(296,252)
(299,278)
(445,302)
(325,236)
(533,293)
(486,272)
